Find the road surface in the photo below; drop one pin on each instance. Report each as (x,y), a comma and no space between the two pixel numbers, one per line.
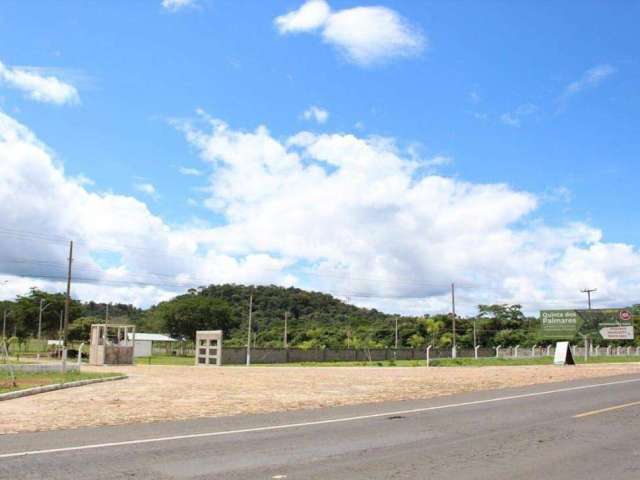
(572,430)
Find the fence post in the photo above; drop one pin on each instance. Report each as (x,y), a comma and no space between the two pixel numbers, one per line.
(628,351)
(533,351)
(498,351)
(637,350)
(608,350)
(428,350)
(597,350)
(548,350)
(516,351)
(454,352)
(80,354)
(475,351)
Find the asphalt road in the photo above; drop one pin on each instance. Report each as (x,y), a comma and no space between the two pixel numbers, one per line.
(571,430)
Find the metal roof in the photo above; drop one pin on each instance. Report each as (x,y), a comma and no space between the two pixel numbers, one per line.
(153,337)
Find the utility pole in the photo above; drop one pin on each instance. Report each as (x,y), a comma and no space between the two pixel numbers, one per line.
(4,324)
(286,344)
(43,307)
(453,309)
(475,341)
(589,291)
(396,332)
(249,331)
(61,319)
(67,306)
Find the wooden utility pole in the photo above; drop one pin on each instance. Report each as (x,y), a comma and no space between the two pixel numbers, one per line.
(453,319)
(589,291)
(249,331)
(67,306)
(286,344)
(396,332)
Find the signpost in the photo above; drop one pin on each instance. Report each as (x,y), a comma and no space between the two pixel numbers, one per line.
(607,323)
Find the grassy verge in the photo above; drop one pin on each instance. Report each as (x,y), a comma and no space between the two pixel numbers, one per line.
(29,380)
(445,362)
(165,360)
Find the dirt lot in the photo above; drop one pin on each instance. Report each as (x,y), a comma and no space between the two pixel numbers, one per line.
(155,393)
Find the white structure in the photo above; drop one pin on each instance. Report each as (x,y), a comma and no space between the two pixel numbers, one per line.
(209,347)
(143,344)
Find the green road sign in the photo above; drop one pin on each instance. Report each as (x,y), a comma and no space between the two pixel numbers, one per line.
(606,323)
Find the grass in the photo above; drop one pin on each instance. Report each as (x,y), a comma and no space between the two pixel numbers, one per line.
(444,362)
(165,360)
(28,380)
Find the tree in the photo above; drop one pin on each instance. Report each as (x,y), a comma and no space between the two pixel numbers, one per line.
(186,314)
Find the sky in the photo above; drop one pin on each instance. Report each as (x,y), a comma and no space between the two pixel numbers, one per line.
(375,150)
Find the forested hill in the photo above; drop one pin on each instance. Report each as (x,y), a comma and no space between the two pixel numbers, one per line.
(314,318)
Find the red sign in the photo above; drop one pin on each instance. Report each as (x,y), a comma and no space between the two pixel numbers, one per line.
(625,315)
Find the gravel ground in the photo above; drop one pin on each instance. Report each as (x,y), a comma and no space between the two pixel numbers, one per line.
(155,393)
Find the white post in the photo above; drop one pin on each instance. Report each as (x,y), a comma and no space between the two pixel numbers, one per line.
(597,350)
(628,351)
(80,354)
(516,351)
(608,350)
(454,352)
(498,351)
(533,351)
(475,351)
(428,349)
(548,350)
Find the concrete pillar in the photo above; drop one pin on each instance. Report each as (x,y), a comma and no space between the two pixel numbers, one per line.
(548,350)
(498,351)
(475,351)
(515,353)
(533,351)
(608,350)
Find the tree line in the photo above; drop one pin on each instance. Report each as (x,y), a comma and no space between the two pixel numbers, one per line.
(315,320)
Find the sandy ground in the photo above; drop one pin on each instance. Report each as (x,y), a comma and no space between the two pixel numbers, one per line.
(154,393)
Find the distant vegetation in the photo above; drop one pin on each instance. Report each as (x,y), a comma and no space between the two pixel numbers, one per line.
(316,320)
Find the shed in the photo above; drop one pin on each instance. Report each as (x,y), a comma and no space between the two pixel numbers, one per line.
(143,345)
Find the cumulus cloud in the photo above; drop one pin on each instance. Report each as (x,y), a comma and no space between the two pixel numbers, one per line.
(318,114)
(363,35)
(177,5)
(333,212)
(353,207)
(38,87)
(122,250)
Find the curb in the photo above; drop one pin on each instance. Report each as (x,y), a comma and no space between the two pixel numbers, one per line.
(56,386)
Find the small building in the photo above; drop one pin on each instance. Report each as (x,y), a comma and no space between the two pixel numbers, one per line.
(111,344)
(143,345)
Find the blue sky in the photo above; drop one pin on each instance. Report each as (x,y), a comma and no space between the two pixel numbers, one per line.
(543,97)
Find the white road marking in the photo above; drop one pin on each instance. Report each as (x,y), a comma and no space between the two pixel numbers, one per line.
(311,423)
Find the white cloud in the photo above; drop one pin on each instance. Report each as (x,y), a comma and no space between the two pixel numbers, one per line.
(351,212)
(363,35)
(146,188)
(589,79)
(353,207)
(148,259)
(39,87)
(189,171)
(176,5)
(318,114)
(312,15)
(514,118)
